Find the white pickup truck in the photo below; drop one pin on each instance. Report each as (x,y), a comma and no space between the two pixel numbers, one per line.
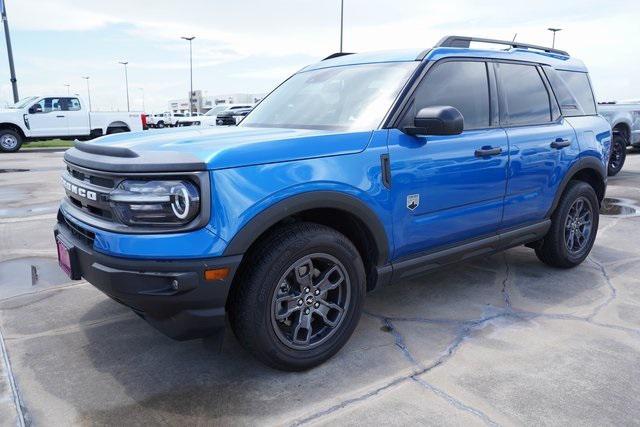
(64,117)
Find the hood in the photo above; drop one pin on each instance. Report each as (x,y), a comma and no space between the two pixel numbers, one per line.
(189,149)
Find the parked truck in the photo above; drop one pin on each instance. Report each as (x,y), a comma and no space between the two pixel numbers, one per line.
(63,117)
(625,122)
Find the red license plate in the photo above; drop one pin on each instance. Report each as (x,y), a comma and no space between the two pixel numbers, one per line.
(64,257)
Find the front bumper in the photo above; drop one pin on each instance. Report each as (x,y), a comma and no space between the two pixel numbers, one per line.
(195,309)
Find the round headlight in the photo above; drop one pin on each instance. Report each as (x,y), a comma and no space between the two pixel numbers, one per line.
(180,204)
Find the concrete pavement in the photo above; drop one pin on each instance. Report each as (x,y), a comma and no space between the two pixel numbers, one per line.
(501,340)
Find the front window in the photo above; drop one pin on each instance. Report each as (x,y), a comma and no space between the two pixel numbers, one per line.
(354,97)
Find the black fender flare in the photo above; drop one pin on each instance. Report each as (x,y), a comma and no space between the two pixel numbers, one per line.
(260,223)
(591,163)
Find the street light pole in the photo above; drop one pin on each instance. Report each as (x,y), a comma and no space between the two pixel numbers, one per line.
(12,70)
(554,31)
(190,39)
(88,92)
(68,86)
(126,81)
(341,22)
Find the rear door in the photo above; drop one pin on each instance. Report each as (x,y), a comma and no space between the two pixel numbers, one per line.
(77,118)
(542,145)
(445,190)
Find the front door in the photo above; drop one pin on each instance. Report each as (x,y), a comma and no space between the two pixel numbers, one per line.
(46,118)
(449,189)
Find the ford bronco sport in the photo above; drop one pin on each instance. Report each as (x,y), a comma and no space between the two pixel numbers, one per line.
(356,172)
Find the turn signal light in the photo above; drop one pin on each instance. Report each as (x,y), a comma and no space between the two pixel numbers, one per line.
(216,274)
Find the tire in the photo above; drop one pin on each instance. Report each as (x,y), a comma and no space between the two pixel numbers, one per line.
(116,130)
(10,141)
(618,154)
(159,125)
(266,309)
(556,249)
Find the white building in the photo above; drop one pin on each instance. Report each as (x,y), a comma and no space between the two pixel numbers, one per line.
(203,102)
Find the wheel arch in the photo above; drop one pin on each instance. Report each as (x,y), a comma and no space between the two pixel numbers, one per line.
(587,169)
(14,127)
(624,129)
(303,205)
(118,125)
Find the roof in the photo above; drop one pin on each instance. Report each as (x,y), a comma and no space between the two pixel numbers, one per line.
(556,60)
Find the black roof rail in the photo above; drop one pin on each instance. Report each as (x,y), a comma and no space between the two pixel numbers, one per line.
(337,54)
(463,41)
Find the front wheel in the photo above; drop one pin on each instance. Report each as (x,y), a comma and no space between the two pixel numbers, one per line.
(299,296)
(574,225)
(10,141)
(618,154)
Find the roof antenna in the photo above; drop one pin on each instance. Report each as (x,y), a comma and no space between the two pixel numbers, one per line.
(514,37)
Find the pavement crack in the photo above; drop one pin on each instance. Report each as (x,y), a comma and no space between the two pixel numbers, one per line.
(455,402)
(505,283)
(400,342)
(21,411)
(613,292)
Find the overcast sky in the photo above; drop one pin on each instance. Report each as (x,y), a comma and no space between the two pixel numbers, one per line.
(251,45)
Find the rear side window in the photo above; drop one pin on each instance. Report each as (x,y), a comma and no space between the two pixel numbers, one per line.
(526,97)
(581,89)
(463,85)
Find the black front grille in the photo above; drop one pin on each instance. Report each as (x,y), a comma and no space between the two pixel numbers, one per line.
(100,184)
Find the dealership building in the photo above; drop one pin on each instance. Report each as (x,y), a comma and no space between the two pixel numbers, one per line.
(203,102)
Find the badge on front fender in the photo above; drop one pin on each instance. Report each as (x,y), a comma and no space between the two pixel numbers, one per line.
(413,201)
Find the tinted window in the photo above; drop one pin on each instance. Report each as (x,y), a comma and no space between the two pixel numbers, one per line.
(71,104)
(525,94)
(569,105)
(463,85)
(581,89)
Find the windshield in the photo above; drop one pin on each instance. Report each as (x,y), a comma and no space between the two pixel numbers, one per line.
(354,97)
(23,102)
(215,110)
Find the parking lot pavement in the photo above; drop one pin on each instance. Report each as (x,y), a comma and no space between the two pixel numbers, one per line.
(499,340)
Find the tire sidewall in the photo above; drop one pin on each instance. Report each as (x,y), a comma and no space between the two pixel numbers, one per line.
(617,140)
(15,135)
(319,243)
(577,190)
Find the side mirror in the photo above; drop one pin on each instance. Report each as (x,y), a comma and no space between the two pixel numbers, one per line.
(35,109)
(437,120)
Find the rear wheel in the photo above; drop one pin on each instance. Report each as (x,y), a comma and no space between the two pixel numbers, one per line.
(300,298)
(618,154)
(10,141)
(574,225)
(160,124)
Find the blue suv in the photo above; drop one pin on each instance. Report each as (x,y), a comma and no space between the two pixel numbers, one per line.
(356,172)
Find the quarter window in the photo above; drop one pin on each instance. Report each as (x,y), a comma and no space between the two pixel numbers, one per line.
(458,84)
(526,97)
(581,89)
